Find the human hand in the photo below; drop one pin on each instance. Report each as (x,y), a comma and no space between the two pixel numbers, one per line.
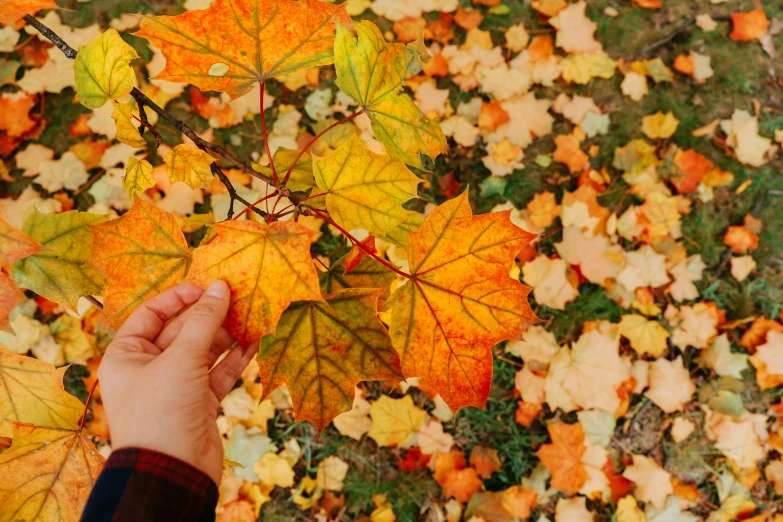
(156,383)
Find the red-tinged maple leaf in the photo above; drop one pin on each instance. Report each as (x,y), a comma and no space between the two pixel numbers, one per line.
(10,296)
(693,167)
(322,349)
(357,253)
(460,300)
(13,10)
(618,485)
(266,268)
(414,459)
(15,244)
(246,42)
(141,254)
(563,457)
(461,484)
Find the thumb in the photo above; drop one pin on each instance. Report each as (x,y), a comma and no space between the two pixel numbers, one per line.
(204,321)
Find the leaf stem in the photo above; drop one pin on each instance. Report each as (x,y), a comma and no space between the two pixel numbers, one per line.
(266,140)
(87,405)
(317,136)
(252,205)
(360,244)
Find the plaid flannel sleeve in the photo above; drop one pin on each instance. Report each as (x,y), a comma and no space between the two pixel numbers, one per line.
(143,485)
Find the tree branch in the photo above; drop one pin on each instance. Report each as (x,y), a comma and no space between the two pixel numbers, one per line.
(143,100)
(232,193)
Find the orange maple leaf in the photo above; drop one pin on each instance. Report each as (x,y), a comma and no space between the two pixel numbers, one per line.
(15,244)
(692,168)
(563,457)
(10,296)
(461,484)
(231,45)
(266,269)
(484,460)
(13,10)
(750,26)
(15,114)
(141,254)
(460,300)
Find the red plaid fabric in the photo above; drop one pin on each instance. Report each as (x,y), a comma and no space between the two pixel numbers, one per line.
(143,485)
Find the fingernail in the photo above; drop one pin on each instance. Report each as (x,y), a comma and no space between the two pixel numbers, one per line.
(217,289)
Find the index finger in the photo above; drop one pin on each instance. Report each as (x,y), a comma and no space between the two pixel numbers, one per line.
(151,316)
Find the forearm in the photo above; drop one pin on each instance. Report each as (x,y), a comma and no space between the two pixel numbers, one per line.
(143,485)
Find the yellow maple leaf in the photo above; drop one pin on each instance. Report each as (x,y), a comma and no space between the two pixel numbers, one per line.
(138,177)
(268,38)
(46,473)
(628,510)
(190,166)
(373,72)
(32,391)
(395,421)
(274,259)
(127,131)
(103,71)
(646,336)
(363,189)
(659,125)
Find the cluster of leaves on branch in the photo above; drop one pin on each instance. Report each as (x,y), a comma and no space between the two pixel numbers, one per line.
(637,208)
(458,303)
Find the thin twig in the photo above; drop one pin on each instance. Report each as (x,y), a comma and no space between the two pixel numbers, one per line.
(360,244)
(266,139)
(312,141)
(143,100)
(87,405)
(93,301)
(232,193)
(679,31)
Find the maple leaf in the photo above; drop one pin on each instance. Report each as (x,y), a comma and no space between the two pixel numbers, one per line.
(653,484)
(190,166)
(46,472)
(15,244)
(395,421)
(369,273)
(372,72)
(58,272)
(670,385)
(321,350)
(659,125)
(127,132)
(266,268)
(460,300)
(646,336)
(141,254)
(268,38)
(484,460)
(749,26)
(563,457)
(13,10)
(138,177)
(16,121)
(32,391)
(363,189)
(103,70)
(10,296)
